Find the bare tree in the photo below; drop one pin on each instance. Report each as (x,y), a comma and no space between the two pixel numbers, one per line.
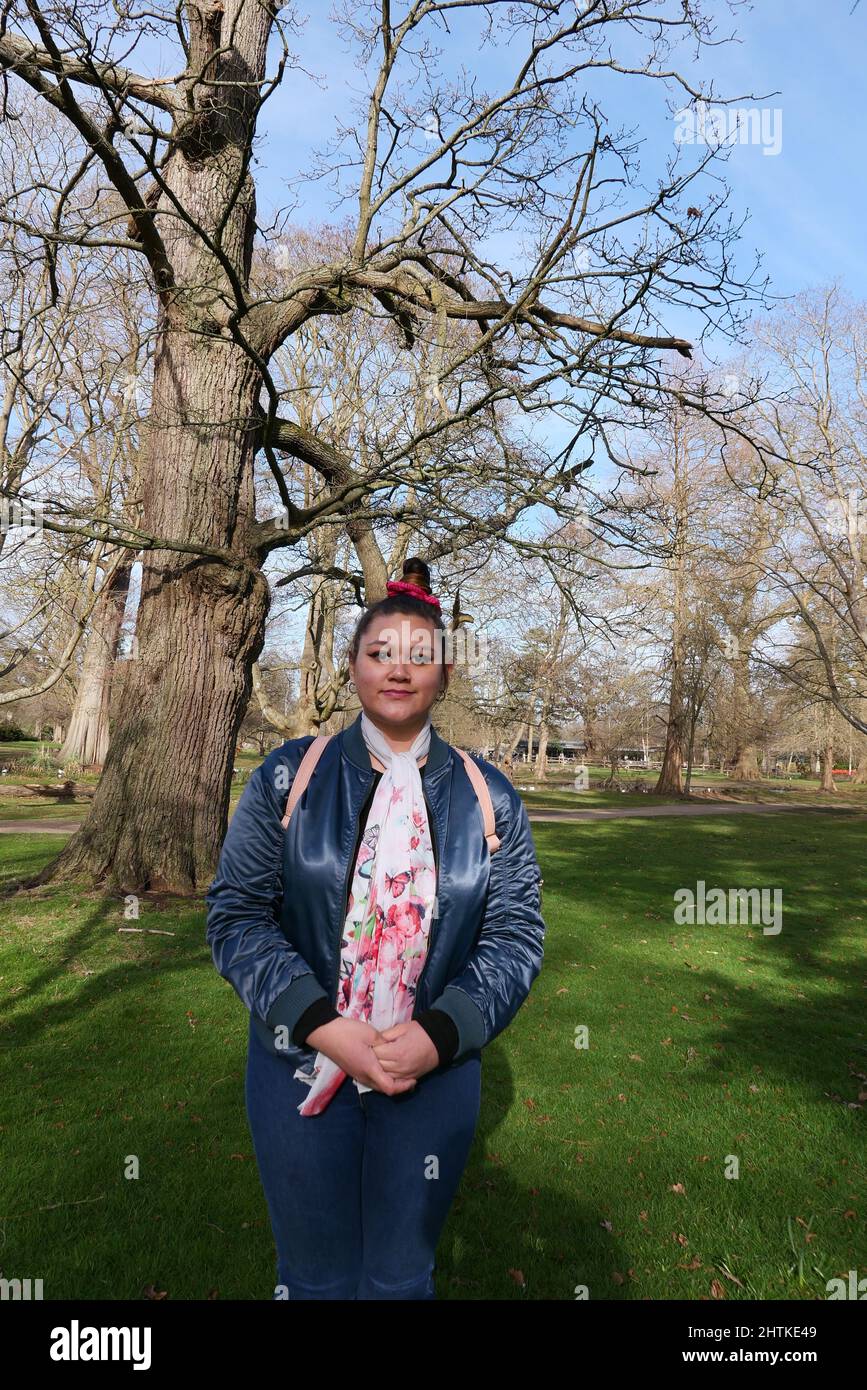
(436,167)
(812,484)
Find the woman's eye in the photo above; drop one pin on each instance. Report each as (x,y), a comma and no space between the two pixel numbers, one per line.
(420,657)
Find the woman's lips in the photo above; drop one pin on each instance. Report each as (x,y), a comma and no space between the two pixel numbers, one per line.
(397,694)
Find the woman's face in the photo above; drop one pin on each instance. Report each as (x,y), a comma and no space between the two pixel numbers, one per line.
(399,671)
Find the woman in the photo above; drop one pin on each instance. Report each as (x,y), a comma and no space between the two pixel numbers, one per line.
(378,945)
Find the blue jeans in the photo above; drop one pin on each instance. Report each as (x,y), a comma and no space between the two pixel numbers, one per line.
(358,1195)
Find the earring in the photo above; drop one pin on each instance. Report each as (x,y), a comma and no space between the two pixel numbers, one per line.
(352,687)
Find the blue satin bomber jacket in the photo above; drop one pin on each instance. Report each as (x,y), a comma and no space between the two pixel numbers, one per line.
(277,906)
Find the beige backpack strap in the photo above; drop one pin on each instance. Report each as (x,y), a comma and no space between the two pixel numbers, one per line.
(304,773)
(482,790)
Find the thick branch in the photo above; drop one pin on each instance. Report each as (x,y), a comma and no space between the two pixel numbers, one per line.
(18,54)
(285,318)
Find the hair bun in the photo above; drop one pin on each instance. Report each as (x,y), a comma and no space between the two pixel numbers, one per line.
(403,586)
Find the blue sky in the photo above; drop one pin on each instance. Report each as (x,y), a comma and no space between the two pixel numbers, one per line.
(803,63)
(807,203)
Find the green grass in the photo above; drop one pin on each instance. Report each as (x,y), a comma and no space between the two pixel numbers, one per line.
(704,1042)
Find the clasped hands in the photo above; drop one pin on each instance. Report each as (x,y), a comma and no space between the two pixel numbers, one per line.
(390,1060)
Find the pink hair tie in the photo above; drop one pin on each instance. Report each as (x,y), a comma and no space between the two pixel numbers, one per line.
(404,586)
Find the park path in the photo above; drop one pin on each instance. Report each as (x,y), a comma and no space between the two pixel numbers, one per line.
(39,827)
(692,808)
(686,808)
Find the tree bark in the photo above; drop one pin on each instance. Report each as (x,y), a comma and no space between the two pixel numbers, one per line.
(827,763)
(670,781)
(744,765)
(542,752)
(87,736)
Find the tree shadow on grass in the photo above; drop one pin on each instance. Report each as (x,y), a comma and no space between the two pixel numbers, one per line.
(804,1023)
(32,1015)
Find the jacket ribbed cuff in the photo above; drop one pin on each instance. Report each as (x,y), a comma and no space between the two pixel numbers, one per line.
(466,1016)
(442,1032)
(291,1004)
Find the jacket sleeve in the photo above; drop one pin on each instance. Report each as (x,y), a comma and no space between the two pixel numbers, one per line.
(243,902)
(484,998)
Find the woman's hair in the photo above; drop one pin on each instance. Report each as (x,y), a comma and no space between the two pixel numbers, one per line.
(415,571)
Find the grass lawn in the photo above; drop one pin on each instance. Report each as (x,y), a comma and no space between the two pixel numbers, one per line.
(602,1166)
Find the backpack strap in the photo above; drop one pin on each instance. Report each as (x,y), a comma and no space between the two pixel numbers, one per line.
(482,791)
(317,747)
(304,773)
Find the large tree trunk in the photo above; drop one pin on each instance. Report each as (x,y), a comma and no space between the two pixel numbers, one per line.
(87,737)
(827,762)
(859,776)
(541,772)
(670,781)
(159,812)
(744,765)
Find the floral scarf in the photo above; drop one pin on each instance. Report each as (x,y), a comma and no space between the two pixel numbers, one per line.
(390,907)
